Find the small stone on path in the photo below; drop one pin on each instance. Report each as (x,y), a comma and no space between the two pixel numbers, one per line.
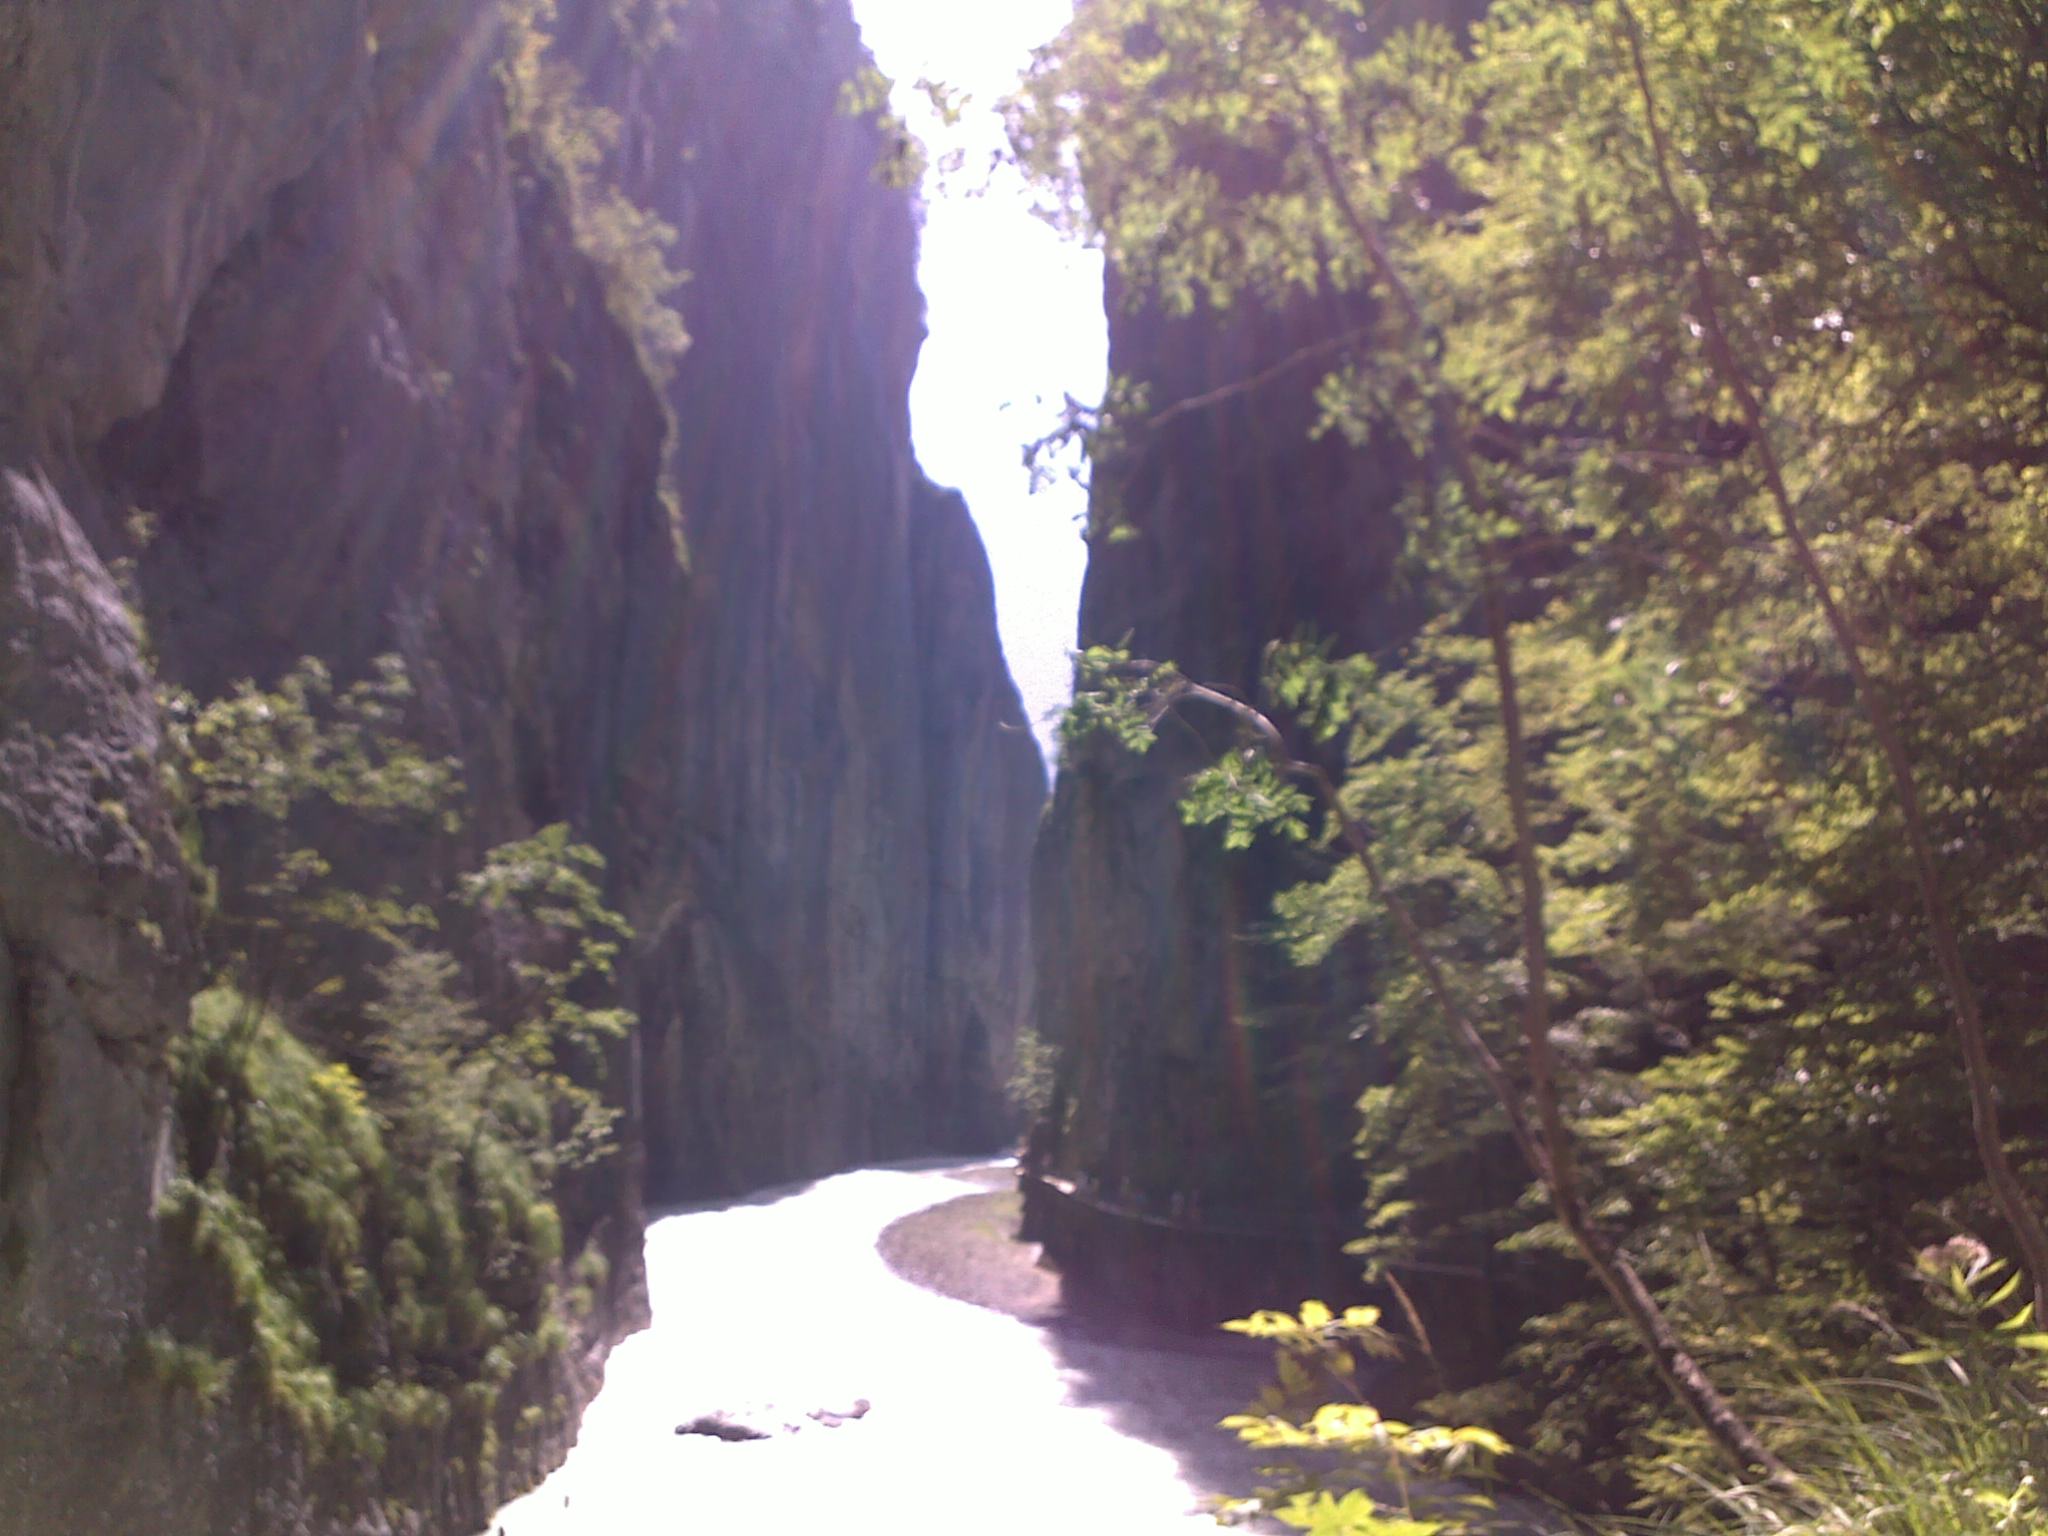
(736,1425)
(719,1426)
(832,1420)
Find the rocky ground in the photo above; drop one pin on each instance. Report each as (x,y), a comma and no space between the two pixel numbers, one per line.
(967,1248)
(1168,1389)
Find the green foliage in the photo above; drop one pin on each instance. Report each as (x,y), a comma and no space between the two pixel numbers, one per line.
(277,770)
(572,139)
(380,1093)
(901,160)
(1948,1438)
(1246,795)
(1030,1084)
(182,1369)
(547,916)
(1355,1513)
(1388,1478)
(362,1292)
(1122,700)
(1751,1032)
(272,751)
(1116,698)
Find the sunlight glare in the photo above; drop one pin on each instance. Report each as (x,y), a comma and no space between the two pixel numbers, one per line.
(1016,321)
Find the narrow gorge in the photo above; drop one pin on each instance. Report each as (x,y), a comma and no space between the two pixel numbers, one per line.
(564,971)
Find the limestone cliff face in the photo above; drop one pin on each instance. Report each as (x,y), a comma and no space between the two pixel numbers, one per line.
(294,331)
(1196,1079)
(856,795)
(986,788)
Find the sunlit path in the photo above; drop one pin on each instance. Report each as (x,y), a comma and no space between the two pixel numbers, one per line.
(976,1424)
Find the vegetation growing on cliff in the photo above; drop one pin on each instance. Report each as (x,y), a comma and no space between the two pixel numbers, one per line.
(573,142)
(378,1099)
(1698,833)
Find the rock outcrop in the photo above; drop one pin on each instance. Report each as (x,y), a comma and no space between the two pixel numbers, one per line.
(1191,1088)
(301,337)
(97,928)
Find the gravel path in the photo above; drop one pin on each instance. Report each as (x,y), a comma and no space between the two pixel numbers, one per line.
(980,1423)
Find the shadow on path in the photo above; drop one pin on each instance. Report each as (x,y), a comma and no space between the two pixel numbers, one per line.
(1166,1389)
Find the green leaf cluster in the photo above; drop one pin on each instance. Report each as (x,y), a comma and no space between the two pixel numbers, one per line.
(385,1306)
(572,140)
(1945,1439)
(381,1096)
(1355,1472)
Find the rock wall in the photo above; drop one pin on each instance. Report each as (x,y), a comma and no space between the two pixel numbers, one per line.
(1205,1084)
(1198,1082)
(296,336)
(856,795)
(97,952)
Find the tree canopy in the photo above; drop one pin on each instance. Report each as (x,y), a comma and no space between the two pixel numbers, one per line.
(1710,337)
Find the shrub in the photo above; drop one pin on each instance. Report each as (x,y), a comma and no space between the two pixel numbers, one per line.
(368,1149)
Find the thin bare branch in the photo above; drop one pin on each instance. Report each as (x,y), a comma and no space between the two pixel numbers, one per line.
(1225,393)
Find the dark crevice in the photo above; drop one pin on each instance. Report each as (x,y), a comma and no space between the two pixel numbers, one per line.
(19,1097)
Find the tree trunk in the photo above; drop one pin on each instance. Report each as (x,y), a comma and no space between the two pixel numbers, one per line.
(1552,1158)
(1549,1153)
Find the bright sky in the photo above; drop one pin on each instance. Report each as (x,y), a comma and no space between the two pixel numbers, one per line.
(1016,322)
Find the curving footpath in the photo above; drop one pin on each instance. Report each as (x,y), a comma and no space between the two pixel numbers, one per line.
(771,1310)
